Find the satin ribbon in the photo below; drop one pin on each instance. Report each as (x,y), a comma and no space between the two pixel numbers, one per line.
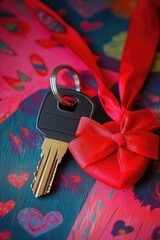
(116,153)
(138,54)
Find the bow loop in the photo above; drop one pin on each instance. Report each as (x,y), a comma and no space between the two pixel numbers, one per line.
(139,120)
(143,143)
(116,149)
(90,127)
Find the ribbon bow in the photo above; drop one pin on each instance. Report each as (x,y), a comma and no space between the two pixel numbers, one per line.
(117,153)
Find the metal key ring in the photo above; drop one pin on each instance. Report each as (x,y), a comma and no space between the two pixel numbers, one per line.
(53,83)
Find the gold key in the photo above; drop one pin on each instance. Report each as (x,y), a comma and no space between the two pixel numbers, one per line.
(58,123)
(52,154)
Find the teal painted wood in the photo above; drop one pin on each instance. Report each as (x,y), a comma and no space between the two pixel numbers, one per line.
(20,149)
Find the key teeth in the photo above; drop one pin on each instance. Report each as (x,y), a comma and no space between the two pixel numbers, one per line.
(31,186)
(49,187)
(47,166)
(33,182)
(46,192)
(35,175)
(39,163)
(50,184)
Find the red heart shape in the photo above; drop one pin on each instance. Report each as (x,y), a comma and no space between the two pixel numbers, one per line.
(87,26)
(18,180)
(116,153)
(5,235)
(6,207)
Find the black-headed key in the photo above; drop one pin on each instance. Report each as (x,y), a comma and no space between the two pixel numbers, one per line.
(58,124)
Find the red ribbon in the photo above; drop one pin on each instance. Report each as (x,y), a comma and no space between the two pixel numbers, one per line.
(117,153)
(139,51)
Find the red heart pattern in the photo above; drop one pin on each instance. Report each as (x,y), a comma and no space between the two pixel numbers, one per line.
(87,26)
(18,180)
(5,235)
(5,208)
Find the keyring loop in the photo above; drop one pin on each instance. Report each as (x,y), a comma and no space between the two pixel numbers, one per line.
(53,83)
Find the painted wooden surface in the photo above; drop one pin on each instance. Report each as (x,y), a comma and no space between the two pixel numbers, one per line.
(78,207)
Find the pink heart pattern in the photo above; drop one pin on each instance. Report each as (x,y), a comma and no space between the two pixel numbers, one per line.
(5,208)
(35,224)
(5,235)
(18,180)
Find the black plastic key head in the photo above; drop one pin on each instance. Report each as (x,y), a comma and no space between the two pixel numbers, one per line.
(60,123)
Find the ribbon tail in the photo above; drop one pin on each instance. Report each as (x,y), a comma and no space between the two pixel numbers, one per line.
(74,41)
(143,143)
(139,120)
(139,51)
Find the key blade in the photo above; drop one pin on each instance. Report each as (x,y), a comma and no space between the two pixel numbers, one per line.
(52,154)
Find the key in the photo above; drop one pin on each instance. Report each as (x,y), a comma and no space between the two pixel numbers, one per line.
(58,124)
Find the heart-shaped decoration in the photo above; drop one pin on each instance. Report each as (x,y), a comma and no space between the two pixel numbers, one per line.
(120,228)
(5,235)
(116,153)
(6,207)
(18,180)
(87,26)
(35,224)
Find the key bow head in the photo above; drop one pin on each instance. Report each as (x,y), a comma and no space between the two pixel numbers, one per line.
(117,153)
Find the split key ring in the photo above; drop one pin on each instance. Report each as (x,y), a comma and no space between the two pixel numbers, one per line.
(53,83)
